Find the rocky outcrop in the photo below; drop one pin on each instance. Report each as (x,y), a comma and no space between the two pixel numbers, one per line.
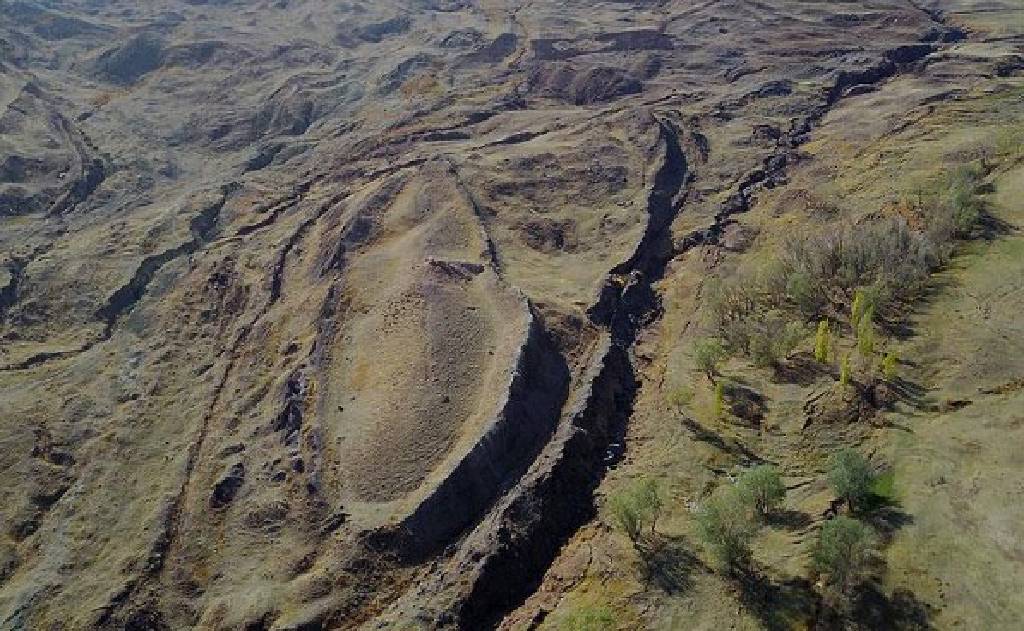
(509,443)
(554,499)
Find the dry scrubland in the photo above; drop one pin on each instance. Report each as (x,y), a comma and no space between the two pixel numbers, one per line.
(470,314)
(948,496)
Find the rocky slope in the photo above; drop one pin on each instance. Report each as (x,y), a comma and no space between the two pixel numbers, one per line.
(337,315)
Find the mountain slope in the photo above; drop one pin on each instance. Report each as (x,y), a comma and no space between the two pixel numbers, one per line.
(328,315)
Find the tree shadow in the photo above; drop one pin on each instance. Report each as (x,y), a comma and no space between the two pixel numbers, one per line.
(900,324)
(734,448)
(886,520)
(781,605)
(884,514)
(991,227)
(795,603)
(801,369)
(909,393)
(668,563)
(902,611)
(745,402)
(898,328)
(789,519)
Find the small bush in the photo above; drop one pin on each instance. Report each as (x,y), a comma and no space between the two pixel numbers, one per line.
(725,523)
(844,553)
(961,200)
(805,293)
(680,397)
(1009,142)
(850,477)
(966,211)
(844,371)
(720,406)
(881,263)
(877,297)
(890,366)
(954,207)
(708,354)
(790,338)
(733,299)
(637,507)
(626,516)
(763,485)
(772,339)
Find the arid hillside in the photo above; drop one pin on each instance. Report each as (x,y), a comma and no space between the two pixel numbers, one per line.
(376,314)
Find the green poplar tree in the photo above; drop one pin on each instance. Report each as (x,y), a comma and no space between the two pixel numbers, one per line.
(822,342)
(866,332)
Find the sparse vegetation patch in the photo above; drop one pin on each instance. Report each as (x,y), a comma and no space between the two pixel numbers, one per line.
(726,524)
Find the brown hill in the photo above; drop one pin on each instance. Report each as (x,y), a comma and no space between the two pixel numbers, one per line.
(338,314)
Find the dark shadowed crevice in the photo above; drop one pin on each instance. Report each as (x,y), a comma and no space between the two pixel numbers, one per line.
(538,520)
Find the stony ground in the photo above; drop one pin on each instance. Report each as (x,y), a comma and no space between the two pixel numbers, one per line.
(338,315)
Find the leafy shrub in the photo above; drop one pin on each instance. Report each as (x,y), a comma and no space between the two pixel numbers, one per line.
(850,477)
(637,506)
(680,397)
(844,553)
(725,523)
(961,199)
(763,485)
(805,293)
(772,338)
(626,516)
(708,354)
